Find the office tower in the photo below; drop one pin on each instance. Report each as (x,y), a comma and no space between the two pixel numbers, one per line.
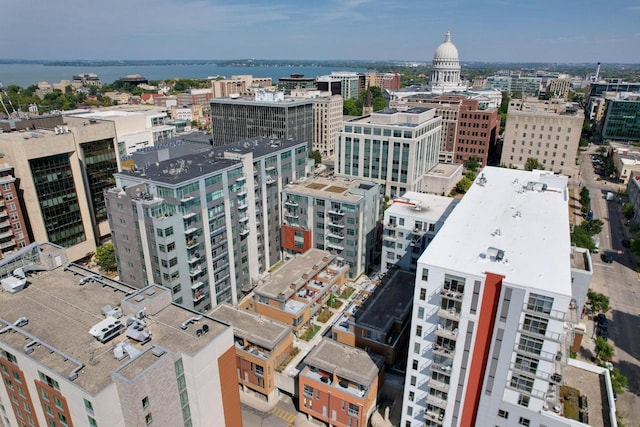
(81,349)
(548,131)
(497,294)
(391,148)
(334,214)
(265,115)
(205,224)
(63,165)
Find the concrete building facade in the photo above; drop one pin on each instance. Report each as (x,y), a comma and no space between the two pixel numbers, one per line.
(205,224)
(64,164)
(548,131)
(177,369)
(334,214)
(266,115)
(391,148)
(14,230)
(410,223)
(492,324)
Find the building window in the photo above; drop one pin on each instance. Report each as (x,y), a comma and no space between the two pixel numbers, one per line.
(524,422)
(308,391)
(425,274)
(413,380)
(523,400)
(414,365)
(420,312)
(419,331)
(62,418)
(354,410)
(92,422)
(540,303)
(50,381)
(259,370)
(411,396)
(503,414)
(423,294)
(88,405)
(145,402)
(58,402)
(148,419)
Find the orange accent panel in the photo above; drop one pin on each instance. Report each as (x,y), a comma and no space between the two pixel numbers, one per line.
(229,388)
(15,398)
(287,237)
(56,411)
(480,356)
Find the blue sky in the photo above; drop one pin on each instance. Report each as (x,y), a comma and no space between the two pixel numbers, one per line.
(493,30)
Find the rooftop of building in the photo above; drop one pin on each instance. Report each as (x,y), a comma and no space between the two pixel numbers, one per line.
(411,118)
(444,170)
(286,101)
(334,188)
(512,223)
(422,206)
(61,311)
(545,107)
(116,111)
(344,361)
(260,146)
(391,302)
(278,284)
(251,326)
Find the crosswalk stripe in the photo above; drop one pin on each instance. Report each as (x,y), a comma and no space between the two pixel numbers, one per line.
(285,415)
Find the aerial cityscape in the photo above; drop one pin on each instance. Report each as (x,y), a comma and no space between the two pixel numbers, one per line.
(329,223)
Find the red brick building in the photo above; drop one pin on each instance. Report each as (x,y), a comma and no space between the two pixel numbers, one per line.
(13,224)
(477,132)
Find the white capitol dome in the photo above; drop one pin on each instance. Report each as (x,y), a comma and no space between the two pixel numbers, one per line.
(445,69)
(447,51)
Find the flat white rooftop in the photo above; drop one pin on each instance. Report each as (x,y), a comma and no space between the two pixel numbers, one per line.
(516,224)
(421,206)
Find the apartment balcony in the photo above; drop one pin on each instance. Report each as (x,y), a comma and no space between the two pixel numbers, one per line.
(195,271)
(243,220)
(194,258)
(291,215)
(335,235)
(419,231)
(242,206)
(435,401)
(242,178)
(244,232)
(198,295)
(7,245)
(291,203)
(441,368)
(270,181)
(6,234)
(192,243)
(186,198)
(390,237)
(444,351)
(538,311)
(538,354)
(335,246)
(188,215)
(242,192)
(449,313)
(448,293)
(336,224)
(3,214)
(439,385)
(191,230)
(534,332)
(336,213)
(447,333)
(197,285)
(392,225)
(5,224)
(434,417)
(270,169)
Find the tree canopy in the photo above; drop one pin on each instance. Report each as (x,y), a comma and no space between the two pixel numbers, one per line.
(533,163)
(106,257)
(599,302)
(316,156)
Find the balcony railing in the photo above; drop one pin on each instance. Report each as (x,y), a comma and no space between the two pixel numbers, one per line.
(545,355)
(439,385)
(443,351)
(447,293)
(446,333)
(552,314)
(449,313)
(334,212)
(291,203)
(435,401)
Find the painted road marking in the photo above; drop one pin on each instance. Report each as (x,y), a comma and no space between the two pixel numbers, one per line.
(285,415)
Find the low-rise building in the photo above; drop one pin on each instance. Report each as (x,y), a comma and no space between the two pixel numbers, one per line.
(442,178)
(410,223)
(378,319)
(339,384)
(261,344)
(298,289)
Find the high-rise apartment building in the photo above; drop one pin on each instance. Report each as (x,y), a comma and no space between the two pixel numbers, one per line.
(205,224)
(410,223)
(63,165)
(391,148)
(80,349)
(327,124)
(14,233)
(496,296)
(622,119)
(548,131)
(334,214)
(266,115)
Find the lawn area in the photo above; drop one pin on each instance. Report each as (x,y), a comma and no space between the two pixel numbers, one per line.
(324,315)
(571,405)
(310,332)
(334,303)
(347,292)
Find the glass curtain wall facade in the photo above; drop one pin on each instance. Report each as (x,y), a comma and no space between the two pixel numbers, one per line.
(100,164)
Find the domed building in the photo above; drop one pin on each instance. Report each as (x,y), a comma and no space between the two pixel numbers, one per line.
(445,71)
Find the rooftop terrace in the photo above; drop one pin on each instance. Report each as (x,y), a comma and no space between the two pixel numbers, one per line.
(344,361)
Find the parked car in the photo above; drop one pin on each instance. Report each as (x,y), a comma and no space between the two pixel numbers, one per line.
(607,257)
(626,243)
(600,319)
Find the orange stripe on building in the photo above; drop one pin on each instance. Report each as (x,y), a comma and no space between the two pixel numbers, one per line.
(480,356)
(229,388)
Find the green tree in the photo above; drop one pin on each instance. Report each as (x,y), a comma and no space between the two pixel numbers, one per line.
(316,156)
(463,185)
(604,350)
(628,211)
(472,164)
(350,108)
(533,163)
(106,257)
(599,302)
(593,226)
(585,200)
(618,381)
(581,238)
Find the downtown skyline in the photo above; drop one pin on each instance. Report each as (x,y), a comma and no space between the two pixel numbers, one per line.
(490,31)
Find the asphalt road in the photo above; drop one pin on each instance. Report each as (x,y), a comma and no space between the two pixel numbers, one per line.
(621,283)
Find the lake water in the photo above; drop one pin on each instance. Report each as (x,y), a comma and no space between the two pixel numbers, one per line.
(28,74)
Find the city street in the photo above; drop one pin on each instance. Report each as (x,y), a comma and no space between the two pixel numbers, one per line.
(620,282)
